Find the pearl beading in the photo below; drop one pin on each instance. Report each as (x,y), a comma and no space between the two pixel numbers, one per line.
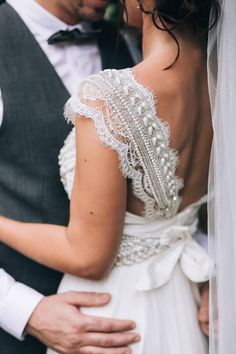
(134,250)
(129,124)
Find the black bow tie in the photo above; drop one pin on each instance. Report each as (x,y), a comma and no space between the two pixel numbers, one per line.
(75,36)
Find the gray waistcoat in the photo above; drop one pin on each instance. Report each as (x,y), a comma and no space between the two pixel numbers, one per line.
(31,136)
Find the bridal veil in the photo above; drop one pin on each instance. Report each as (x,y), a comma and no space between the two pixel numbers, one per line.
(222,181)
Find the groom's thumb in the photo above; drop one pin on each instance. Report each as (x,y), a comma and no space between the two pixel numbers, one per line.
(87,299)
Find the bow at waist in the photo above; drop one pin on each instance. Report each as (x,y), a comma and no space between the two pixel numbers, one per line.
(193,259)
(162,251)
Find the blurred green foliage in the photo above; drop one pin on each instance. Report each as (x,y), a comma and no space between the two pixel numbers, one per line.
(113,13)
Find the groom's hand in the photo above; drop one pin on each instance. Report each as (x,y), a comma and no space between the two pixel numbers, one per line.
(59,324)
(203,313)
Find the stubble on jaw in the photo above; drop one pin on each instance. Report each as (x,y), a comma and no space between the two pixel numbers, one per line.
(89,13)
(73,12)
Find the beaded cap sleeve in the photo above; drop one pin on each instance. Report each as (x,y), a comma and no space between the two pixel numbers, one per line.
(124,113)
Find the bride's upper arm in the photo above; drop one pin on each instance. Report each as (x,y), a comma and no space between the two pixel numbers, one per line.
(98,200)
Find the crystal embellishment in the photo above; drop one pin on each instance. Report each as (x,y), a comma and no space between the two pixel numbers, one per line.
(125,116)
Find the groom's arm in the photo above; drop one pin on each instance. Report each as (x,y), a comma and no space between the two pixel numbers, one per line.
(201,233)
(57,322)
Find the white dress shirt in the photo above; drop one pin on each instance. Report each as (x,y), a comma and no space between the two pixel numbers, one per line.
(72,63)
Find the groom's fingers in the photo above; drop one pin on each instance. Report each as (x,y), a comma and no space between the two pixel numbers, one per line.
(205,328)
(92,323)
(109,340)
(203,313)
(106,325)
(97,350)
(86,299)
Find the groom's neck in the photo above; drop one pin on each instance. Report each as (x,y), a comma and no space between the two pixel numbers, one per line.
(65,10)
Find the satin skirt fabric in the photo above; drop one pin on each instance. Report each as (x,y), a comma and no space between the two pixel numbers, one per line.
(156,293)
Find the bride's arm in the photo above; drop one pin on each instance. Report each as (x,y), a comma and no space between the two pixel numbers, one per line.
(87,247)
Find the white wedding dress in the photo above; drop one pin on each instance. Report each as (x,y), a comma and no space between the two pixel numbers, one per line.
(155,275)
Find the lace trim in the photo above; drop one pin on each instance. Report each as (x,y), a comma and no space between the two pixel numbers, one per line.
(74,107)
(130,126)
(67,161)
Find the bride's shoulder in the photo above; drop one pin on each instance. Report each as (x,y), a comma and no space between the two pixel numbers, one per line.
(109,75)
(97,94)
(107,89)
(105,83)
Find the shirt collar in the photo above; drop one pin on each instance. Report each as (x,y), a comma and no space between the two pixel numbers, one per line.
(42,23)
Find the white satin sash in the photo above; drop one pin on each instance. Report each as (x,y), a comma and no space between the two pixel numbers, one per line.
(177,244)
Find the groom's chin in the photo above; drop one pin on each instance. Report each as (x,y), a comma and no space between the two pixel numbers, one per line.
(93,11)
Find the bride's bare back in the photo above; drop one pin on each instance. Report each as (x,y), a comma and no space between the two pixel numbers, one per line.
(182,101)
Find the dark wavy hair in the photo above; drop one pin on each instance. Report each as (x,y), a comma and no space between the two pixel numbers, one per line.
(195,13)
(167,15)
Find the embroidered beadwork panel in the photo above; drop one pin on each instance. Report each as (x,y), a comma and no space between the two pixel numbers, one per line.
(124,113)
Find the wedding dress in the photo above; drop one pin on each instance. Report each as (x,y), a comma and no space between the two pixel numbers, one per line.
(156,271)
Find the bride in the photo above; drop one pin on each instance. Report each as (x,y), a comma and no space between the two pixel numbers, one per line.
(143,139)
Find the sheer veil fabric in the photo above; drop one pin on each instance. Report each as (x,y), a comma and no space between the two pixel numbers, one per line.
(222,187)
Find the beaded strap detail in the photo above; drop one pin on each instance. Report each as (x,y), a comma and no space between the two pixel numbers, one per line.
(124,113)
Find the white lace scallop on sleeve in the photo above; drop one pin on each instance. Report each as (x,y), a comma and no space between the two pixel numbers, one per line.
(93,100)
(124,114)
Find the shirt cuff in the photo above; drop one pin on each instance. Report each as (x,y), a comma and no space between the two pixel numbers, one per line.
(17,307)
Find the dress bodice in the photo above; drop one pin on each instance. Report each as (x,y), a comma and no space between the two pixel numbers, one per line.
(124,113)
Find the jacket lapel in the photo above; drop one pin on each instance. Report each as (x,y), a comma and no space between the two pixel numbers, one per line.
(114,51)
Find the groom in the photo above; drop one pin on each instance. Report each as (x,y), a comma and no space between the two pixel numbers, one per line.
(40,66)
